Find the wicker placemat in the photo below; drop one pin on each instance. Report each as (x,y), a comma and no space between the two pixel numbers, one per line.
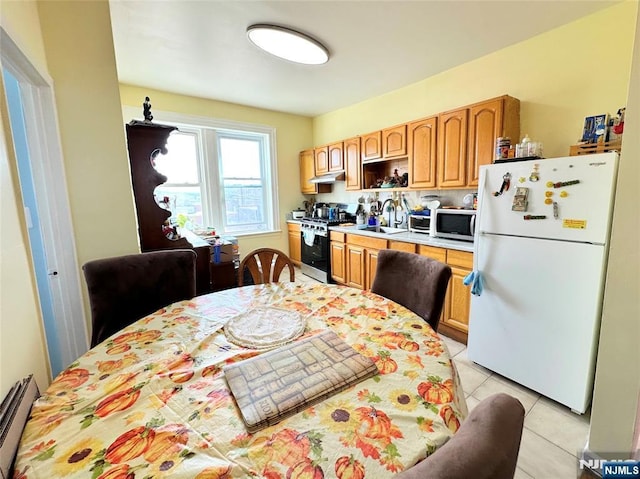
(264,327)
(277,384)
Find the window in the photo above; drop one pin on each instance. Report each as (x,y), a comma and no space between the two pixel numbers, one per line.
(219,175)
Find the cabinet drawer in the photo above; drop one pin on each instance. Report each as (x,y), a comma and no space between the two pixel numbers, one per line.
(462,259)
(402,246)
(336,236)
(293,227)
(367,241)
(439,254)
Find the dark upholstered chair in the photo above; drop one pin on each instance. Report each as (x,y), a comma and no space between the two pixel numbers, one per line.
(126,288)
(485,447)
(265,266)
(16,407)
(414,281)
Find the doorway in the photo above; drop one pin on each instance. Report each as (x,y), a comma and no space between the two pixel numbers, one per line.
(33,122)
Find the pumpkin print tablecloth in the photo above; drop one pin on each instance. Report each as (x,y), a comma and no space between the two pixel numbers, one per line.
(152,401)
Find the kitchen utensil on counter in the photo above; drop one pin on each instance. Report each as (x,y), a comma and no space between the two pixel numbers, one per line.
(297,214)
(467,201)
(321,211)
(433,204)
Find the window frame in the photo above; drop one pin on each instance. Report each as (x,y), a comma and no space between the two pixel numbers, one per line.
(209,131)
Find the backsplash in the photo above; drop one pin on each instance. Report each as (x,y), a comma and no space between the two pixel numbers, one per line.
(447,197)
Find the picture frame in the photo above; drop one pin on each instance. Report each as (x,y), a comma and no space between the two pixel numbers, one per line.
(594,128)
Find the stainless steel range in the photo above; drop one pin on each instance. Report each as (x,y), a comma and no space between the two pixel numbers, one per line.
(316,261)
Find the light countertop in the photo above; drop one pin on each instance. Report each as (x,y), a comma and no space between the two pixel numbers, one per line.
(409,237)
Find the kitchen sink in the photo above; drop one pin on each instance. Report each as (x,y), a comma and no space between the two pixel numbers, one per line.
(385,229)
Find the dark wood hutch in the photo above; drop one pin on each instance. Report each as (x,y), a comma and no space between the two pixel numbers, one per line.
(145,140)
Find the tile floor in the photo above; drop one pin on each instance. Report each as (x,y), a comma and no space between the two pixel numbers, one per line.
(553,436)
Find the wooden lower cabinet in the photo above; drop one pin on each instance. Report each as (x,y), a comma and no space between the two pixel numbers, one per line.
(338,257)
(362,259)
(355,266)
(457,305)
(295,243)
(402,246)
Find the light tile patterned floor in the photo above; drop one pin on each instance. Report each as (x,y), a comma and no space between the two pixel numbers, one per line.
(553,436)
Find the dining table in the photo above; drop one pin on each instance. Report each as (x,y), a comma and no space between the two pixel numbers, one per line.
(152,400)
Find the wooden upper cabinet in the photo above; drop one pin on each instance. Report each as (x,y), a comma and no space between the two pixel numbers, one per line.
(352,165)
(307,172)
(488,121)
(421,144)
(371,146)
(394,141)
(321,160)
(336,161)
(452,149)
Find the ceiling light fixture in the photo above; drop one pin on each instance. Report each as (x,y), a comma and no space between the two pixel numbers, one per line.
(288,44)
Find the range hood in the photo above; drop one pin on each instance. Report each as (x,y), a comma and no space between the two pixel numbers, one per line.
(328,177)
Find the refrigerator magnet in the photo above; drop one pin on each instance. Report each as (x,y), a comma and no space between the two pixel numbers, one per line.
(535,175)
(520,199)
(506,181)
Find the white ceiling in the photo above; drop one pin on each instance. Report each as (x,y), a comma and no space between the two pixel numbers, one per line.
(200,48)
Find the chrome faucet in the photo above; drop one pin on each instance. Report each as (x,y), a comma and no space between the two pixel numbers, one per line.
(391,208)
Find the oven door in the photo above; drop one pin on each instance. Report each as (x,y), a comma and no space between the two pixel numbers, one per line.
(315,255)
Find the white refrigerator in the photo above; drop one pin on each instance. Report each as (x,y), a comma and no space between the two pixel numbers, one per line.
(541,244)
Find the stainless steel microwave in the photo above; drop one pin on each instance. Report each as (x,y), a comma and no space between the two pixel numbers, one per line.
(455,224)
(420,224)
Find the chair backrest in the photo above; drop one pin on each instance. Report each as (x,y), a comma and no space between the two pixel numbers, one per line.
(485,447)
(126,288)
(414,281)
(265,266)
(15,408)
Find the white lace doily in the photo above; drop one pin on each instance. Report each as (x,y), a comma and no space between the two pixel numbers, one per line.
(264,328)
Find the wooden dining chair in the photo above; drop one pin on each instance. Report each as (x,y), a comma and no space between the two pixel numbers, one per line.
(414,281)
(265,266)
(126,288)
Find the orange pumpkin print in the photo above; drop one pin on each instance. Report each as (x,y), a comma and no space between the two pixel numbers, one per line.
(148,336)
(449,418)
(407,345)
(385,364)
(349,468)
(305,470)
(436,392)
(121,471)
(218,472)
(69,379)
(181,369)
(129,445)
(125,337)
(119,349)
(168,440)
(117,402)
(375,424)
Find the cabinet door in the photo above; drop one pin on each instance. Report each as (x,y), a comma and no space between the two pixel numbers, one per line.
(394,141)
(422,153)
(371,146)
(355,266)
(307,172)
(295,245)
(439,254)
(402,246)
(336,161)
(338,265)
(485,126)
(322,160)
(452,149)
(371,264)
(352,165)
(458,301)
